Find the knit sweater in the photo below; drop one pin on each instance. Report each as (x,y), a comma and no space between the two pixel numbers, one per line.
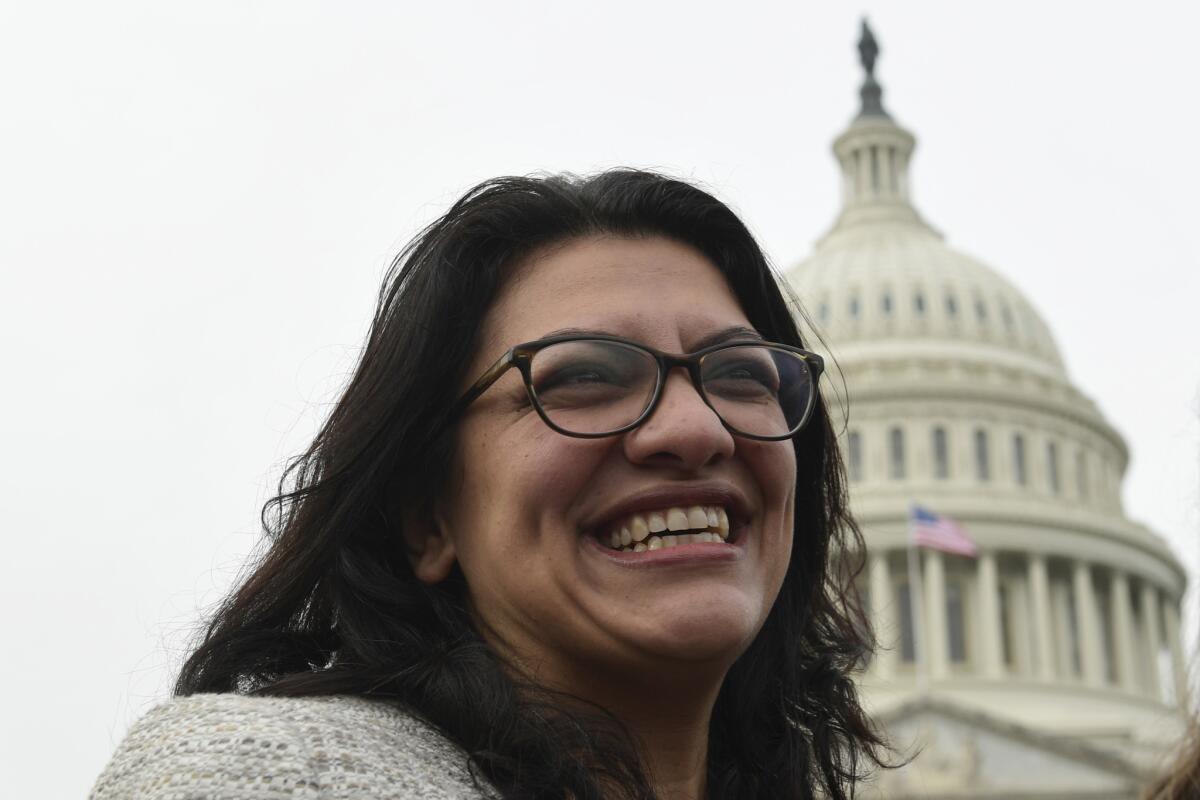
(232,747)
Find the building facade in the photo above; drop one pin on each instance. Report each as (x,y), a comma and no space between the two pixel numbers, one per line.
(1051,664)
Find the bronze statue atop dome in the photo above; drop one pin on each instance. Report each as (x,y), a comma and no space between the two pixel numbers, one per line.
(871,92)
(868,48)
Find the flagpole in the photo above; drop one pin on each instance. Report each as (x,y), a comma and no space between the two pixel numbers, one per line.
(916,607)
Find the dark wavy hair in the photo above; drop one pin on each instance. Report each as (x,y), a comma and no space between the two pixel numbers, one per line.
(332,605)
(1181,779)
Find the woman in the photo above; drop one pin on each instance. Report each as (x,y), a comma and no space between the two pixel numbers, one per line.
(530,554)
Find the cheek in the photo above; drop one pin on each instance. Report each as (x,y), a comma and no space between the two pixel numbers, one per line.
(776,472)
(517,488)
(774,464)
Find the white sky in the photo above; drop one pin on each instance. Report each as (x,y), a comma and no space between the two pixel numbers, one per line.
(197,202)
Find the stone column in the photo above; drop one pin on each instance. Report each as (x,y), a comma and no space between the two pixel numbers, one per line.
(935,614)
(1179,669)
(1152,637)
(991,649)
(1086,623)
(1123,644)
(883,615)
(1039,594)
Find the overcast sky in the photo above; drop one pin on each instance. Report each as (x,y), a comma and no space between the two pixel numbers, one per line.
(197,203)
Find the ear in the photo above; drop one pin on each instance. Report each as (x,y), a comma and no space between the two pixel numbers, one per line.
(429,548)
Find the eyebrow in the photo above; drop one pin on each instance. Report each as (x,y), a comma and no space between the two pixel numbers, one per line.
(732,333)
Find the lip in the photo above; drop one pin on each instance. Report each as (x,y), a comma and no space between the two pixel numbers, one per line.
(665,496)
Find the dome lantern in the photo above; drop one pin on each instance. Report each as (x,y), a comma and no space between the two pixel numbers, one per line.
(874,153)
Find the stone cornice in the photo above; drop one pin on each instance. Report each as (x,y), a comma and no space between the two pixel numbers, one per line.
(904,682)
(1076,408)
(930,349)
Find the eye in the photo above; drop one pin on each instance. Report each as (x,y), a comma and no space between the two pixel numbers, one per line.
(584,371)
(748,374)
(740,372)
(576,375)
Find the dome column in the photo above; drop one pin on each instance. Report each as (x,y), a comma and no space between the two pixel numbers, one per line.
(1123,631)
(1153,638)
(989,613)
(1039,591)
(1178,662)
(935,614)
(1087,624)
(883,615)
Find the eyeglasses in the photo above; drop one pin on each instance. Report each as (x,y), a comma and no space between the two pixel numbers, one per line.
(594,386)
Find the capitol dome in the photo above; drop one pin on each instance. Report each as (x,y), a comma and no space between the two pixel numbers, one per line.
(891,275)
(1056,646)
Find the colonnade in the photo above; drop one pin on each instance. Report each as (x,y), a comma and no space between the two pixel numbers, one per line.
(1109,646)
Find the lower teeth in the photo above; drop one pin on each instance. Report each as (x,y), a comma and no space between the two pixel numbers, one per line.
(662,542)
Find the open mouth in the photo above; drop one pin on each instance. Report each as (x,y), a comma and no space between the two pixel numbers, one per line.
(668,527)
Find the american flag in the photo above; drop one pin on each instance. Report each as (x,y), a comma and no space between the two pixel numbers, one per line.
(928,529)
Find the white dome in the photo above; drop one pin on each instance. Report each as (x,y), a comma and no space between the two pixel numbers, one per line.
(890,282)
(957,399)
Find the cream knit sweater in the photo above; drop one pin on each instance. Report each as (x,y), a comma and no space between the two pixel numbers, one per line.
(232,747)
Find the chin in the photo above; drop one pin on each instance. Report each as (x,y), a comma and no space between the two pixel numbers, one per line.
(707,634)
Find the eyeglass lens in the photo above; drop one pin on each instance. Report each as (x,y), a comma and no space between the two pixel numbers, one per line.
(594,387)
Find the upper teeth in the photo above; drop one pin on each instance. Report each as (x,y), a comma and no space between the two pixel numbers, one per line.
(636,532)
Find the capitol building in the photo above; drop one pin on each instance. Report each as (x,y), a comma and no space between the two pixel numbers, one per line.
(1050,664)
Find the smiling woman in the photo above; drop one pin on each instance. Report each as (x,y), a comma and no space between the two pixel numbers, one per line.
(568,533)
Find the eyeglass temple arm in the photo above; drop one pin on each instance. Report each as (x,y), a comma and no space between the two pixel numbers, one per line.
(480,386)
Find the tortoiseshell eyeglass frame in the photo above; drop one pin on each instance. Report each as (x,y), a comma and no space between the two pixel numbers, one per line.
(521,357)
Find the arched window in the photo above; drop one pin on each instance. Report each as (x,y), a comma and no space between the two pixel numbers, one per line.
(983,462)
(896,453)
(886,304)
(854,307)
(951,306)
(919,304)
(1019,474)
(941,454)
(1081,476)
(855,455)
(980,309)
(823,312)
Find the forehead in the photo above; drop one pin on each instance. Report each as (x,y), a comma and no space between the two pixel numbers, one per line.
(655,290)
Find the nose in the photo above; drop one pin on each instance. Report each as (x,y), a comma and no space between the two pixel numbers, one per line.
(683,432)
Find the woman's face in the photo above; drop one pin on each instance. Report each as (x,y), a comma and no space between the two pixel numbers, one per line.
(529,512)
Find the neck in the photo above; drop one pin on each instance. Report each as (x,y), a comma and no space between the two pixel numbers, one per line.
(672,735)
(666,707)
(668,715)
